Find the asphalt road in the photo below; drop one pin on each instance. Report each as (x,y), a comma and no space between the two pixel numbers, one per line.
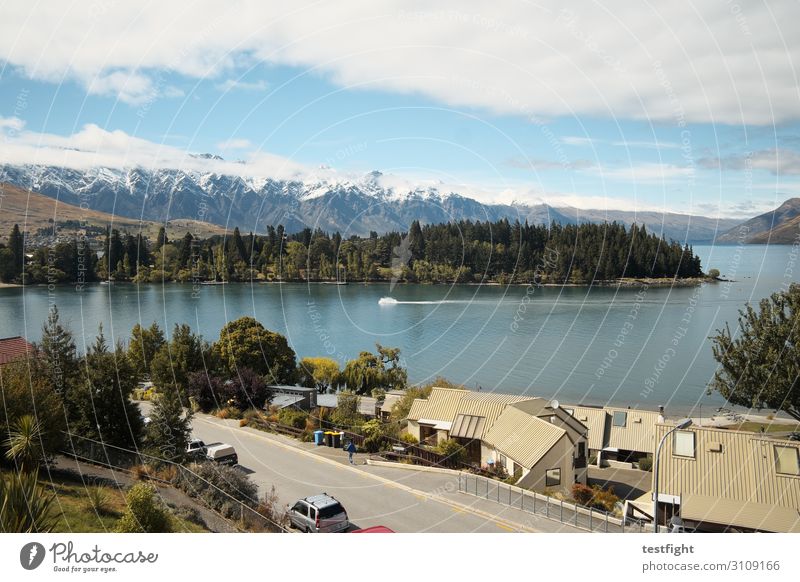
(369,498)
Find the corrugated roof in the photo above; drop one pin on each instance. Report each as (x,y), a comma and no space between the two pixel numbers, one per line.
(638,434)
(596,421)
(285,400)
(728,464)
(488,405)
(467,426)
(441,404)
(750,515)
(391,398)
(12,348)
(522,437)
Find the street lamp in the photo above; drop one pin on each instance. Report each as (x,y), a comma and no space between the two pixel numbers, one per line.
(680,425)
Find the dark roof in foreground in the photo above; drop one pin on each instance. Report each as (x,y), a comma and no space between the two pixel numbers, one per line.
(12,348)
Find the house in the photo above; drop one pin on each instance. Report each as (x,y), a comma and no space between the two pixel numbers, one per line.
(384,408)
(717,480)
(13,348)
(367,405)
(618,436)
(297,396)
(542,444)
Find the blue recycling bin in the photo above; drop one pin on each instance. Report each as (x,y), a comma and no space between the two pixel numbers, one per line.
(319,437)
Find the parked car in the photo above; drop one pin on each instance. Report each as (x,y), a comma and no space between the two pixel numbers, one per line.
(374,529)
(196,449)
(222,454)
(318,514)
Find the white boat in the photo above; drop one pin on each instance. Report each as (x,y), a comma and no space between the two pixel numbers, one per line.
(387,301)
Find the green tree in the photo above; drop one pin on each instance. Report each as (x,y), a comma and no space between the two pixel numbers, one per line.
(27,391)
(144,344)
(170,428)
(104,399)
(759,366)
(402,407)
(320,373)
(348,411)
(363,374)
(146,513)
(16,244)
(174,361)
(58,354)
(247,343)
(24,443)
(25,506)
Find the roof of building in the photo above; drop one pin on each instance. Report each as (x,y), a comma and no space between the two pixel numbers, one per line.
(523,437)
(596,421)
(285,400)
(544,409)
(749,515)
(727,464)
(392,396)
(12,348)
(291,389)
(638,433)
(366,404)
(441,404)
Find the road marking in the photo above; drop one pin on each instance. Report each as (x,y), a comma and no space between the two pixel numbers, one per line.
(503,526)
(422,494)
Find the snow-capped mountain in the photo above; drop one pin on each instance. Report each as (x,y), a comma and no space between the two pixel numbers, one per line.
(351,206)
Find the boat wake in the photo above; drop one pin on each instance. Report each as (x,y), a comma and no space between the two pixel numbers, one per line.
(393,301)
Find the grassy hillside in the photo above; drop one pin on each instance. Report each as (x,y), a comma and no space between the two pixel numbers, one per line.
(33,211)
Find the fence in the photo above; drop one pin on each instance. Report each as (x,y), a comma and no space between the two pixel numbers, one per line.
(580,517)
(121,459)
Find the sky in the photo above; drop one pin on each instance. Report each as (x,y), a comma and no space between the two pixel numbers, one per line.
(692,108)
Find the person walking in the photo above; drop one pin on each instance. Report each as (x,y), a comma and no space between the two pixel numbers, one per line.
(351,449)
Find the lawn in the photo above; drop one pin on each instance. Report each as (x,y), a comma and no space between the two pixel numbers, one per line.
(77,514)
(752,426)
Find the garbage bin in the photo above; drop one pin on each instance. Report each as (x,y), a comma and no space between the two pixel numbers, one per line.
(319,437)
(329,438)
(337,440)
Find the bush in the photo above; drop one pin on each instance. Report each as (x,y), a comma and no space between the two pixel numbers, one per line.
(229,412)
(582,494)
(146,513)
(646,463)
(190,514)
(451,449)
(97,500)
(409,438)
(216,485)
(293,417)
(595,497)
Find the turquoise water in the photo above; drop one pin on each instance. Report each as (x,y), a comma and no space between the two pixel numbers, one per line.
(630,346)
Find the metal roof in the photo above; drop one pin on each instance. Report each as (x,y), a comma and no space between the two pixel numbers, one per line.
(524,438)
(749,515)
(596,420)
(12,348)
(638,434)
(728,464)
(441,404)
(467,426)
(285,400)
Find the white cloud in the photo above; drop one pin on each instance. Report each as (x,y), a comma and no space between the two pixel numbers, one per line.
(11,124)
(578,141)
(235,144)
(780,161)
(235,84)
(645,172)
(717,62)
(652,145)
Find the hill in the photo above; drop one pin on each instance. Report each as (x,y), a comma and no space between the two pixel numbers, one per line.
(33,211)
(779,226)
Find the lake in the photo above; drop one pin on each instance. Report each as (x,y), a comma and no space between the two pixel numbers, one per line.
(625,346)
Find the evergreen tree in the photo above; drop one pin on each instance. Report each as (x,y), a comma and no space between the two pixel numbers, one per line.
(170,428)
(16,245)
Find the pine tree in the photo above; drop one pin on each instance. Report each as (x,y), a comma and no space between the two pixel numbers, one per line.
(16,244)
(170,428)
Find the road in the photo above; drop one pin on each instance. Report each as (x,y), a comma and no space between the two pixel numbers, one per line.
(405,501)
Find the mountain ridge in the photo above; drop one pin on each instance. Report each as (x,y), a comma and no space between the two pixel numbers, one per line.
(353,207)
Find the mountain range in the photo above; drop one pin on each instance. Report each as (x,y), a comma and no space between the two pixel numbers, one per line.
(350,206)
(779,226)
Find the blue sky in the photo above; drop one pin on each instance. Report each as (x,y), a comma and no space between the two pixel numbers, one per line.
(656,137)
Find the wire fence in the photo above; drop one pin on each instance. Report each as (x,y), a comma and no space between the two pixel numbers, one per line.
(96,452)
(585,518)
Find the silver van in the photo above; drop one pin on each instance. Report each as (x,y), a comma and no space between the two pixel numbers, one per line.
(222,454)
(318,514)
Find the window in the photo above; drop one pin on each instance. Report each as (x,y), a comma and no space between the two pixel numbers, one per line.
(786,460)
(300,508)
(503,461)
(620,418)
(517,471)
(330,511)
(683,443)
(552,477)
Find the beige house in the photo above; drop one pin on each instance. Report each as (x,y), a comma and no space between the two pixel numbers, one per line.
(621,435)
(717,479)
(543,446)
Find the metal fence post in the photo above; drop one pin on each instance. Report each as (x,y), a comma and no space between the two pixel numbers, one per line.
(590,519)
(606,522)
(534,502)
(547,508)
(561,516)
(576,516)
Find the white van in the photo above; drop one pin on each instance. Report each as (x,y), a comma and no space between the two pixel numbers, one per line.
(222,454)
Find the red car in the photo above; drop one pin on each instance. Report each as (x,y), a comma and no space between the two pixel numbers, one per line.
(374,529)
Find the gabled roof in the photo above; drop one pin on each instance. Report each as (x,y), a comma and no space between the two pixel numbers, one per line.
(596,420)
(441,404)
(12,348)
(638,434)
(523,437)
